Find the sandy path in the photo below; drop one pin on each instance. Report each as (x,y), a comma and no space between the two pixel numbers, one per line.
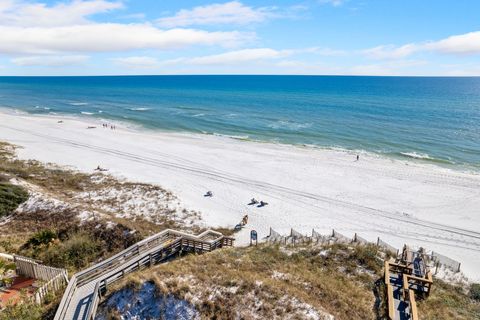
(305,188)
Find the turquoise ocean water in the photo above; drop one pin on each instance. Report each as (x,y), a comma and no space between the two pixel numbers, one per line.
(428,119)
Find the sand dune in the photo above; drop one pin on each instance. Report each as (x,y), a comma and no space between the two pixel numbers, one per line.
(306,188)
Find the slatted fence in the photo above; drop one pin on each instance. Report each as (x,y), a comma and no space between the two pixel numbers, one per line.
(446,261)
(358,239)
(55,278)
(319,238)
(386,246)
(340,238)
(275,237)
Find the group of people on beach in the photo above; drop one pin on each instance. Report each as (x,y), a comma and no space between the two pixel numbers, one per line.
(253,201)
(260,203)
(105,126)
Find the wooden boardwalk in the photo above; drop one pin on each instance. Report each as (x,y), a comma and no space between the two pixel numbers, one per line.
(406,277)
(82,295)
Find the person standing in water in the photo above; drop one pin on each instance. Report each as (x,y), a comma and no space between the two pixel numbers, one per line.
(358,157)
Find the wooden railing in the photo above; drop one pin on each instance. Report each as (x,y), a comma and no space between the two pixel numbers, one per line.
(390,302)
(67,296)
(53,285)
(142,254)
(92,308)
(33,269)
(55,278)
(413,305)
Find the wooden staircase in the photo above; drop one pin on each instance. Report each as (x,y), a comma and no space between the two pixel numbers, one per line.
(83,292)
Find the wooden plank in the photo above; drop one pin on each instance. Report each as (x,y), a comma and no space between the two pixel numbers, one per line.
(390,302)
(422,280)
(405,285)
(413,305)
(387,272)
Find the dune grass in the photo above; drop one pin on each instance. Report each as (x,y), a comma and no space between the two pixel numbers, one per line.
(272,282)
(449,302)
(11,197)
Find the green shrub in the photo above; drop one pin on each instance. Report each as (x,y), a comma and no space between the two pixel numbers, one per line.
(475,291)
(76,252)
(367,256)
(24,311)
(40,238)
(11,197)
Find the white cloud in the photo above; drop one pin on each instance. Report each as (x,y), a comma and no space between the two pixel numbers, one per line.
(137,62)
(219,13)
(398,67)
(252,55)
(468,43)
(50,61)
(239,56)
(31,14)
(35,28)
(391,52)
(461,70)
(463,44)
(108,37)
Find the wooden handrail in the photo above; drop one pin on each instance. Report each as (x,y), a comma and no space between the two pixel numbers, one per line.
(424,280)
(391,305)
(67,295)
(387,272)
(127,258)
(413,305)
(92,308)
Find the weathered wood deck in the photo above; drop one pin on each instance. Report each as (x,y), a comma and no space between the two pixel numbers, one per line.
(82,295)
(405,278)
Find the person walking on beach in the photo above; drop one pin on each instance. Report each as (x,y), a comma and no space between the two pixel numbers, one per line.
(358,157)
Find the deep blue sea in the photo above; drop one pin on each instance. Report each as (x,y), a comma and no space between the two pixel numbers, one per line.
(429,119)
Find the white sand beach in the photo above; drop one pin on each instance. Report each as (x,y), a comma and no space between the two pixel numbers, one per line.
(306,188)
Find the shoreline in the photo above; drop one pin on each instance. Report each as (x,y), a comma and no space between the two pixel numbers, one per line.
(406,157)
(399,200)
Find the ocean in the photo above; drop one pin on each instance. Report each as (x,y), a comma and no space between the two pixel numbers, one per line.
(425,119)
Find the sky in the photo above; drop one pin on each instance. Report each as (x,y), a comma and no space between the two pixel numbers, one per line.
(319,37)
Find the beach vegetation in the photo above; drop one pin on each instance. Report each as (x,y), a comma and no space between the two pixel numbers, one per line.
(475,291)
(41,238)
(11,196)
(268,281)
(271,281)
(448,302)
(76,246)
(26,311)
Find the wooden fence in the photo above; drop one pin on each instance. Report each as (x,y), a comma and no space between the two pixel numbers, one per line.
(340,238)
(32,269)
(358,239)
(53,285)
(446,261)
(55,278)
(386,246)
